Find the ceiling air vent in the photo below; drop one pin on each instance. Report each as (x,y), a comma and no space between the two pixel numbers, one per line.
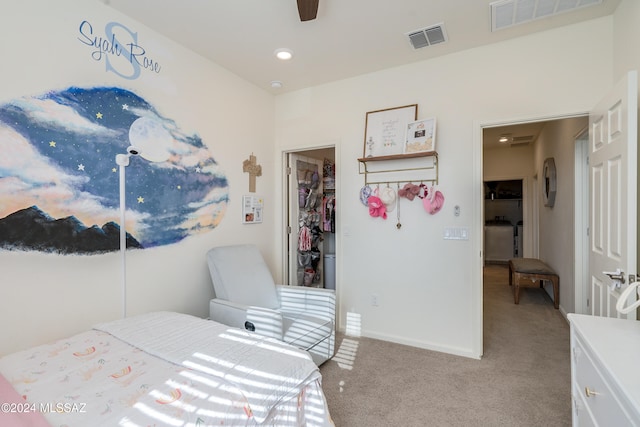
(427,36)
(517,141)
(507,13)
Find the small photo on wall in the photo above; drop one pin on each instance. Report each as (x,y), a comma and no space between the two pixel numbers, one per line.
(421,136)
(252,209)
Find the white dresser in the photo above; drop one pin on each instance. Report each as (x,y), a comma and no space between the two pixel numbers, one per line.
(605,371)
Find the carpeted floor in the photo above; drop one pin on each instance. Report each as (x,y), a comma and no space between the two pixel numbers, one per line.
(523,378)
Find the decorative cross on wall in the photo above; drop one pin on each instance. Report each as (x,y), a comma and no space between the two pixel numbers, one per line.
(254,170)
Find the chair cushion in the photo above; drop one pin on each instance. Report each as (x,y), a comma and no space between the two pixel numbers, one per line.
(240,274)
(530,266)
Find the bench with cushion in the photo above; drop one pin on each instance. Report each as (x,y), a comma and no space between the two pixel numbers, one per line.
(526,272)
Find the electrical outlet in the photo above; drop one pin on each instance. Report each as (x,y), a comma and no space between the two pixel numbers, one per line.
(374,300)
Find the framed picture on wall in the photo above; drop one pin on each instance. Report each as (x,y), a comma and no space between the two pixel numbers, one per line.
(252,209)
(420,136)
(385,130)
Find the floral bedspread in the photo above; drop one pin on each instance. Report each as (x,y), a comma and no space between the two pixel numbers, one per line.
(184,372)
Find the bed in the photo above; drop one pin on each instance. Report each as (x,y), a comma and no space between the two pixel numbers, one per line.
(162,369)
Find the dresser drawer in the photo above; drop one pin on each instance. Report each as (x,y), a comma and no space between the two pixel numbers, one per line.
(594,392)
(581,415)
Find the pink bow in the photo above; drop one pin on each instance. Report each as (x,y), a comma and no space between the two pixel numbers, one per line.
(410,191)
(433,201)
(376,207)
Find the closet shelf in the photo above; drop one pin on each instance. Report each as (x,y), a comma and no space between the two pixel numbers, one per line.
(399,156)
(399,168)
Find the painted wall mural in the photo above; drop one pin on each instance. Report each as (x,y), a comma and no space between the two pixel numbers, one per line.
(59,182)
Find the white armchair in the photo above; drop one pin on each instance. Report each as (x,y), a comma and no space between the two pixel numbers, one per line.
(247,297)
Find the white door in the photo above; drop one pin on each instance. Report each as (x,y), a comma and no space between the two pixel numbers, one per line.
(581,224)
(305,218)
(613,128)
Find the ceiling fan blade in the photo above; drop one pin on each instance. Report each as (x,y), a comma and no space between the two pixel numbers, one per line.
(307,9)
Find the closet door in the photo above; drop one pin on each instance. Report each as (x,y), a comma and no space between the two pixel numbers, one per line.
(305,221)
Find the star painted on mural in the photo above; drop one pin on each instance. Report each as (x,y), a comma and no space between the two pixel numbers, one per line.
(98,115)
(80,167)
(198,170)
(140,199)
(114,170)
(125,107)
(52,144)
(179,187)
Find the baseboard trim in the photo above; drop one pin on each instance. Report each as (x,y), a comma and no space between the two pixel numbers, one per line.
(456,351)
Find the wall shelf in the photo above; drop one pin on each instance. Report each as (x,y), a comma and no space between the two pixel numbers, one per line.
(399,168)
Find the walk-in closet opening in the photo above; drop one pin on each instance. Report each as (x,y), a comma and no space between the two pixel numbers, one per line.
(310,233)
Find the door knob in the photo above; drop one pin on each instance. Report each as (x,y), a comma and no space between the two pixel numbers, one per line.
(616,276)
(590,393)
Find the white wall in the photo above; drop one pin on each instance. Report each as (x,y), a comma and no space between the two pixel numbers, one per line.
(626,41)
(626,38)
(429,289)
(556,231)
(505,162)
(47,296)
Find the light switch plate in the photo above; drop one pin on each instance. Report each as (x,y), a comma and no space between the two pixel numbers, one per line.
(456,233)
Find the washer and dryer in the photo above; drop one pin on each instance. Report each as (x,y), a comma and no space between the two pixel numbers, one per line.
(498,241)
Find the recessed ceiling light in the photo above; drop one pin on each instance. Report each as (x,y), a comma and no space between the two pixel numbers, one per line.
(505,138)
(284,54)
(276,84)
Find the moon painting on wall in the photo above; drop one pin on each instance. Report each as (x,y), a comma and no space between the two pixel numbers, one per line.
(59,181)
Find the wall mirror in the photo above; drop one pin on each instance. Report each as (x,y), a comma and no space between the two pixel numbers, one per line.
(550,184)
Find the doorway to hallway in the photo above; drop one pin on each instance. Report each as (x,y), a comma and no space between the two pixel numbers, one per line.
(547,231)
